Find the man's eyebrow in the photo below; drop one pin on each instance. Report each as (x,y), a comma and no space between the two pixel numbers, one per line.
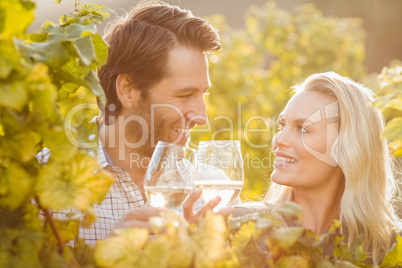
(191,88)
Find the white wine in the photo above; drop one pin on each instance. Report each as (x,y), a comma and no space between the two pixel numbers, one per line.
(168,197)
(228,190)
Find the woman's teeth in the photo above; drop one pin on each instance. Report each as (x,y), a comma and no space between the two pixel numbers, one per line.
(285,159)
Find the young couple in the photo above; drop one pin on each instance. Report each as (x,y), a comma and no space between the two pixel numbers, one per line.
(331,158)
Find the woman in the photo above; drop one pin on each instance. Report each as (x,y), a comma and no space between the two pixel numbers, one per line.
(331,159)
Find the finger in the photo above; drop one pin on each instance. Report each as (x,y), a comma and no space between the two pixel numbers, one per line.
(209,206)
(143,214)
(189,203)
(226,210)
(135,224)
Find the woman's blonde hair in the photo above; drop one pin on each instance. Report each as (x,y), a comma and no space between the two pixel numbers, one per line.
(361,151)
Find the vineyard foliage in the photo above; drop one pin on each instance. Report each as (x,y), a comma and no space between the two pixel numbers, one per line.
(42,77)
(49,88)
(390,102)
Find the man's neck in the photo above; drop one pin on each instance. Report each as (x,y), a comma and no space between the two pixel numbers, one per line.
(121,155)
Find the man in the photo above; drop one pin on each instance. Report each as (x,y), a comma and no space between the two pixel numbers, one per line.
(155,81)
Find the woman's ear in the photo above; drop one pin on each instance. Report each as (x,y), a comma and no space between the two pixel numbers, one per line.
(127,94)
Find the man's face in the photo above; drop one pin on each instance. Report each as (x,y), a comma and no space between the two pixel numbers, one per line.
(175,105)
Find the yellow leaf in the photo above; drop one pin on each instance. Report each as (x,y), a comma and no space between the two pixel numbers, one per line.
(246,232)
(211,228)
(394,257)
(121,250)
(293,261)
(78,184)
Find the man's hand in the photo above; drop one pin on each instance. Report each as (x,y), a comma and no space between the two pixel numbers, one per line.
(192,217)
(138,218)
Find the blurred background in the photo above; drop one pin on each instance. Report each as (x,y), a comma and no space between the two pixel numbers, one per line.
(381,19)
(267,48)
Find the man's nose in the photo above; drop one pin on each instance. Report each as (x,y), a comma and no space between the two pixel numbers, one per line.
(197,112)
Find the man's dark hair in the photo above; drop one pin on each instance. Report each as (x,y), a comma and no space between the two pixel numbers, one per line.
(140,44)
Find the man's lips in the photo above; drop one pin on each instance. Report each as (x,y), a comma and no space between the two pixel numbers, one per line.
(182,130)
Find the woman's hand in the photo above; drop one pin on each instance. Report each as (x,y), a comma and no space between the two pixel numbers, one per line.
(192,217)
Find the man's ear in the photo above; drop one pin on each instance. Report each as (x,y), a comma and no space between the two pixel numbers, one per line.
(127,94)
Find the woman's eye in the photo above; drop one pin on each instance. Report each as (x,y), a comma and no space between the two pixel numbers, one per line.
(185,96)
(303,130)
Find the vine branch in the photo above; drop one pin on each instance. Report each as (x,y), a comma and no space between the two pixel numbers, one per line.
(56,232)
(77,6)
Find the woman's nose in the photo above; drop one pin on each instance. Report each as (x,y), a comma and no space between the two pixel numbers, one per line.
(280,139)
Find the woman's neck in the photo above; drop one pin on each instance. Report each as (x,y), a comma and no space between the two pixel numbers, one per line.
(320,208)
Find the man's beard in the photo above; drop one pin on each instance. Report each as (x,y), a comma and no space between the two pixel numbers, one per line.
(155,133)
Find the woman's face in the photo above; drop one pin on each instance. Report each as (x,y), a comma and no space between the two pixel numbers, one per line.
(307,131)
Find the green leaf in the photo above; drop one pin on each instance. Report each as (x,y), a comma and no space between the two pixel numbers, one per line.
(21,236)
(18,143)
(13,94)
(393,130)
(101,49)
(9,58)
(42,93)
(396,147)
(344,264)
(358,255)
(37,37)
(85,50)
(84,253)
(174,245)
(323,263)
(163,247)
(121,250)
(211,228)
(68,19)
(335,227)
(342,252)
(394,256)
(75,30)
(286,237)
(78,183)
(94,85)
(245,234)
(16,185)
(68,228)
(291,211)
(293,261)
(50,258)
(100,11)
(12,25)
(53,54)
(54,138)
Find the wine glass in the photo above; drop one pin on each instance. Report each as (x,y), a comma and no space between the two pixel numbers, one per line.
(220,171)
(170,176)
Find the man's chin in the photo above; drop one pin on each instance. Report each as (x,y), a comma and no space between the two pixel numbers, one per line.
(182,139)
